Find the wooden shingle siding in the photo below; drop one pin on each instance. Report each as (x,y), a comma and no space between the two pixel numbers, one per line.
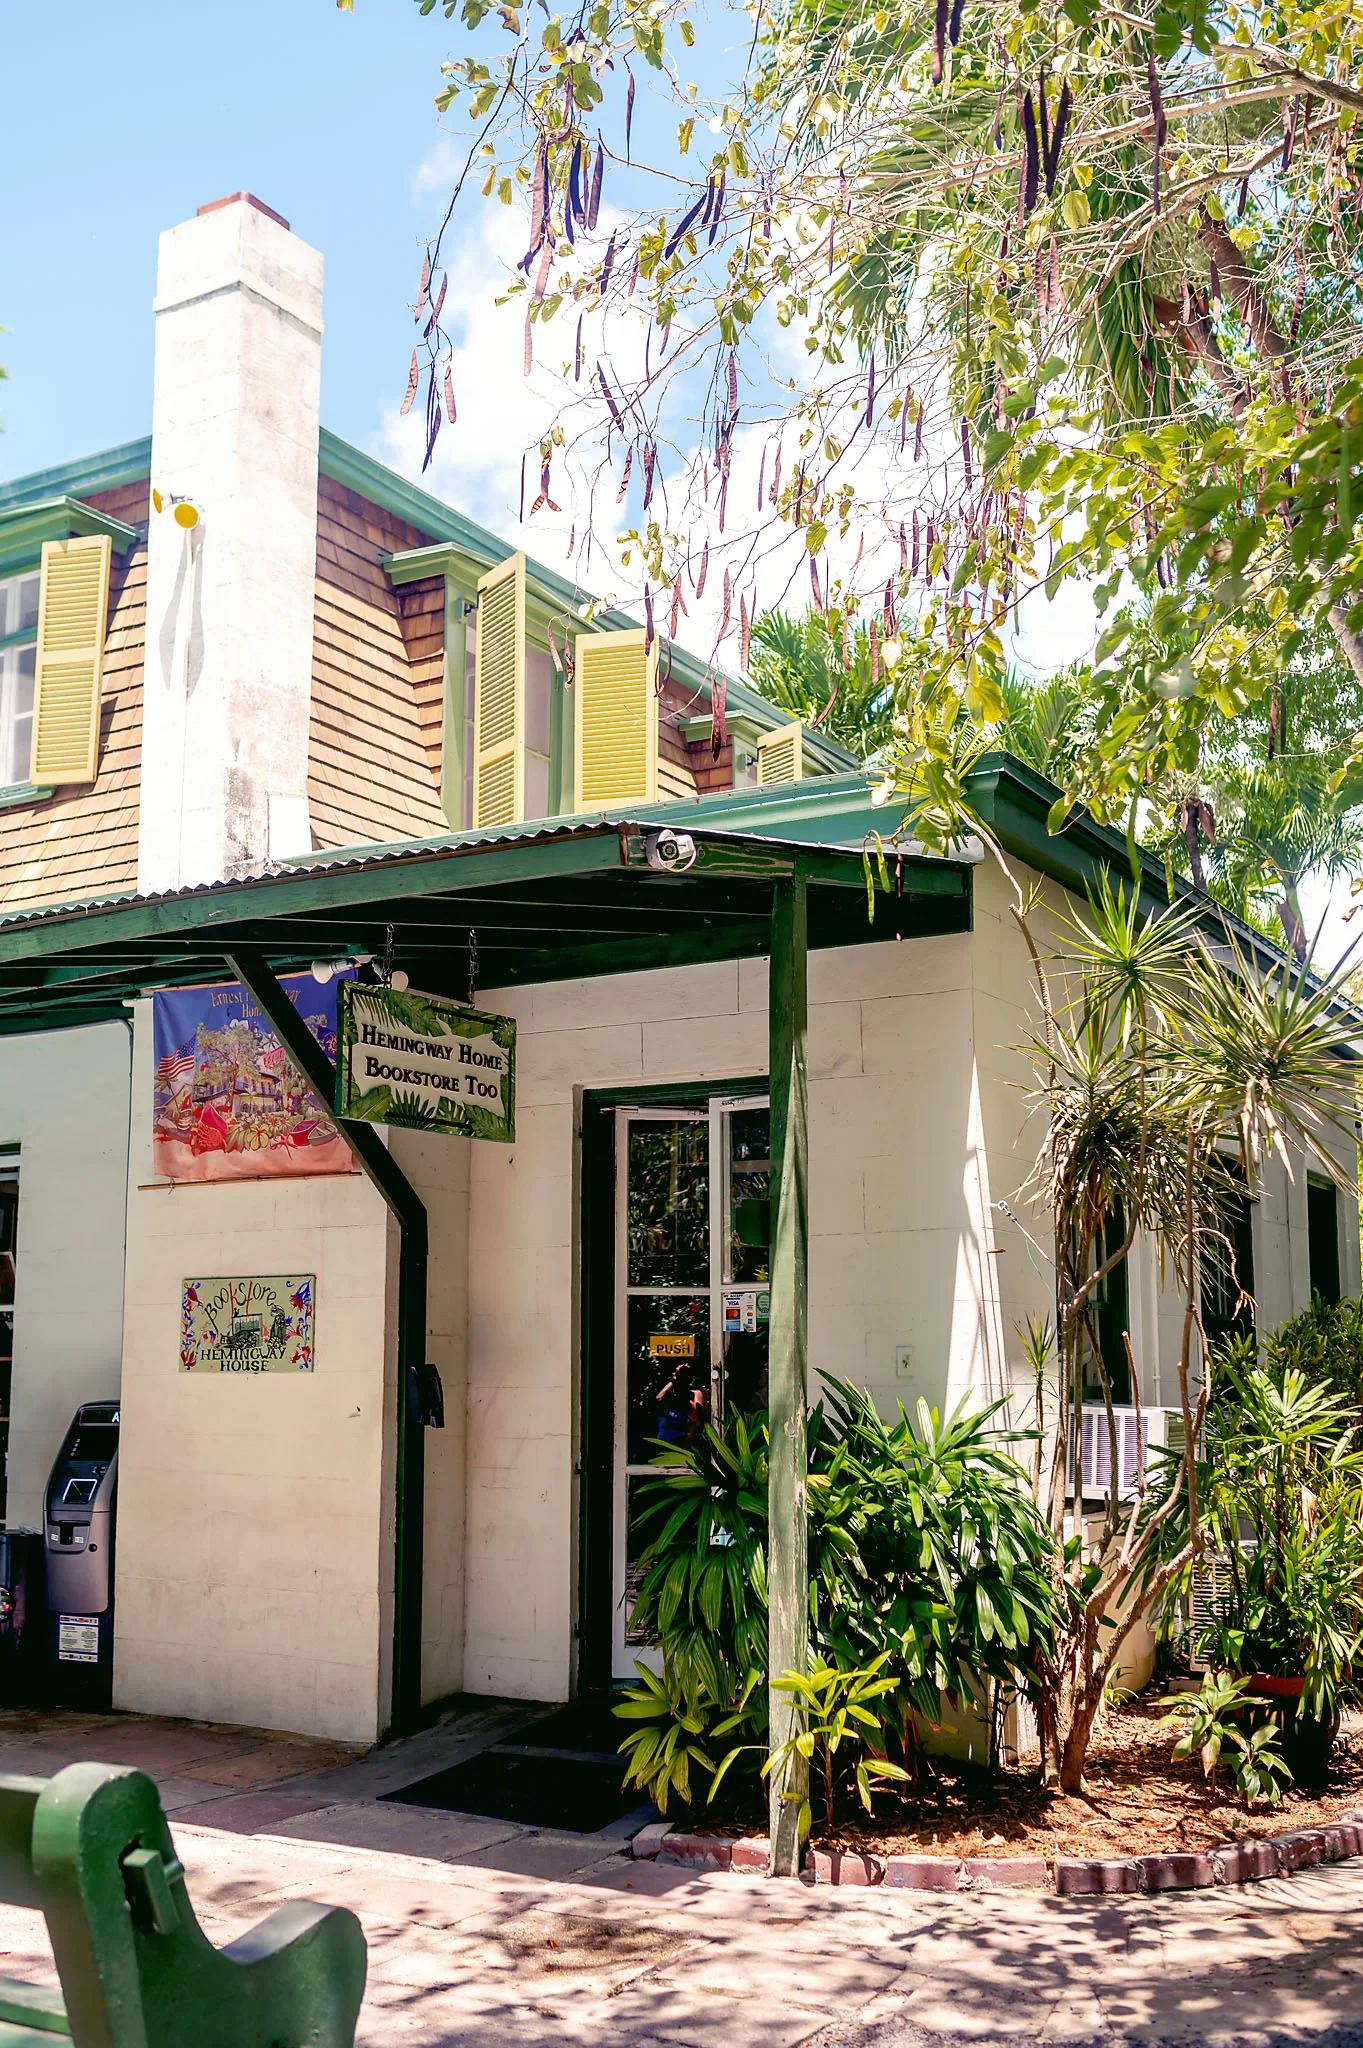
(377,682)
(421,615)
(82,841)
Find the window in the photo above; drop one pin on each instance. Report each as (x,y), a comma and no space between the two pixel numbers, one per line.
(18,657)
(1322,1239)
(1227,1263)
(9,1231)
(1110,1321)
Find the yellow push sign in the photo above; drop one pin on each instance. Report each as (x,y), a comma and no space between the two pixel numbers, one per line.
(668,1345)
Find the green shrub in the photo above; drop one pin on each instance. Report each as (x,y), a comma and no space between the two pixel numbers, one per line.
(928,1560)
(1219,1727)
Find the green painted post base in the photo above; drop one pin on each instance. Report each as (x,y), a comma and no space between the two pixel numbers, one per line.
(788,1567)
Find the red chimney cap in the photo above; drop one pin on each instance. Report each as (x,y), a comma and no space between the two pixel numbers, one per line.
(248,199)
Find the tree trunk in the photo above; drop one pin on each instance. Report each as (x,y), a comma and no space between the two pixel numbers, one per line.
(1350,644)
(1075,1752)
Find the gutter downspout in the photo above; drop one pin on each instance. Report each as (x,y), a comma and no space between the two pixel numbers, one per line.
(254,972)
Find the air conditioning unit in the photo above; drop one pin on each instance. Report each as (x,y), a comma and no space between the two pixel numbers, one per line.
(1139,1432)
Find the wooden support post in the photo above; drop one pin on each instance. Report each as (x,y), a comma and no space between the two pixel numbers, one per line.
(787,1569)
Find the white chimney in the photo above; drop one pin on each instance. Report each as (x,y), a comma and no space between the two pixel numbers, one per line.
(235,418)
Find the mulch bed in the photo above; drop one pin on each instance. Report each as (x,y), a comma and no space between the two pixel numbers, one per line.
(1139,1802)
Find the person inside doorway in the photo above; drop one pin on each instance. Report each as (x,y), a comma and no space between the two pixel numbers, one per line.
(683,1405)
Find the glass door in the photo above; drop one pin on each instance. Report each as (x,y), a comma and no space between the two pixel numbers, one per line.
(691,1300)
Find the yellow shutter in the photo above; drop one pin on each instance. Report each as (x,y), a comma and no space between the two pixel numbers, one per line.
(780,754)
(73,608)
(499,696)
(616,720)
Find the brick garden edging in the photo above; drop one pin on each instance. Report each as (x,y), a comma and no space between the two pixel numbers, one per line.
(1072,1876)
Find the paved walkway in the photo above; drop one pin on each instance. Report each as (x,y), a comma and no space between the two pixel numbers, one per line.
(480,1931)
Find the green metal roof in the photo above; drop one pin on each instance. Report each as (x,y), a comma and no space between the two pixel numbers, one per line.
(549,902)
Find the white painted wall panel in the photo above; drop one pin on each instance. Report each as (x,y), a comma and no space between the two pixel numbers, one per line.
(64,1103)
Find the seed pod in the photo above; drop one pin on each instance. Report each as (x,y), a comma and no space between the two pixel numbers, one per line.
(450,408)
(629,112)
(965,452)
(594,203)
(1031,155)
(1051,163)
(955,30)
(421,292)
(413,376)
(939,40)
(719,736)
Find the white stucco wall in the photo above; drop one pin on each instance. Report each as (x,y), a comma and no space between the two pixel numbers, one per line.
(254,1567)
(64,1103)
(899,1237)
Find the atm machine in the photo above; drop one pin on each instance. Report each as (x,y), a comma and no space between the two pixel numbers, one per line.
(79,1555)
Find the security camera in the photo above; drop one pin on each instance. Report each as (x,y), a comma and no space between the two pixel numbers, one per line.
(670,852)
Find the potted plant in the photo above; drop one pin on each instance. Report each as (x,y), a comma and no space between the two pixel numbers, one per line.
(1284,1510)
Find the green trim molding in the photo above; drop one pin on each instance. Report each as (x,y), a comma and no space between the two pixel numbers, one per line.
(23,793)
(24,528)
(127,464)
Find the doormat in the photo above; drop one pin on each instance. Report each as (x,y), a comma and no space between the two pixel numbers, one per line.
(574,1795)
(561,1772)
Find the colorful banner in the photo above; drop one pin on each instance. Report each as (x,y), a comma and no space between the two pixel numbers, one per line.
(261,1323)
(424,1063)
(228,1103)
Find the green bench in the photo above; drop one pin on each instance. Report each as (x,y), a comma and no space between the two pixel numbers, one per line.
(91,1851)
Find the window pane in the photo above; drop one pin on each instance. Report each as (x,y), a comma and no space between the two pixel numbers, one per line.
(1322,1234)
(669,1204)
(16,713)
(668,1372)
(749,1248)
(539,697)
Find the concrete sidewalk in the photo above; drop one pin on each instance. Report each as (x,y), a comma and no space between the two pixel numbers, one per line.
(461,1950)
(481,1929)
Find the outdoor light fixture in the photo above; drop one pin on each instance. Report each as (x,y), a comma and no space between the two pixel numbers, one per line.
(327,970)
(183,510)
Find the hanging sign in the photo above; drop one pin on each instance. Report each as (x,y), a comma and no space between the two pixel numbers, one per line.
(228,1102)
(423,1063)
(260,1323)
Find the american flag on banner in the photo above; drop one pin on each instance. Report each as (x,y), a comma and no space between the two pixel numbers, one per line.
(175,1068)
